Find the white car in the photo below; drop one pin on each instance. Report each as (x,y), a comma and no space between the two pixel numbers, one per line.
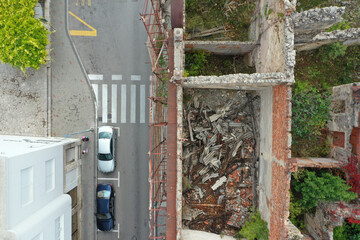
(106,152)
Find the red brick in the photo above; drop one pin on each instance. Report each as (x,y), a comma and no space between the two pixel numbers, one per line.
(356,149)
(280,202)
(356,92)
(354,140)
(281,124)
(338,139)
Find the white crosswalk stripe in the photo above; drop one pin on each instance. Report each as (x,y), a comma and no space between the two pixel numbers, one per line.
(104,103)
(113,108)
(96,91)
(113,103)
(123,103)
(142,103)
(133,104)
(135,78)
(116,77)
(96,77)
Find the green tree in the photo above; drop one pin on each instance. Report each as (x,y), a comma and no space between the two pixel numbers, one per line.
(324,187)
(23,38)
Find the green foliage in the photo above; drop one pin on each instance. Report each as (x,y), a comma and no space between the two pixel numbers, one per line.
(296,212)
(310,111)
(202,63)
(324,186)
(332,51)
(195,61)
(23,38)
(255,228)
(348,231)
(267,11)
(339,26)
(235,16)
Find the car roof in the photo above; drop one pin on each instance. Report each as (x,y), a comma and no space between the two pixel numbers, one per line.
(108,129)
(104,145)
(103,204)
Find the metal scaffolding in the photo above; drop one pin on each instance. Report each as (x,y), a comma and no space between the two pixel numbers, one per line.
(151,16)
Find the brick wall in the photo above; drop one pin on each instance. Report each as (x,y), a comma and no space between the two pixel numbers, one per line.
(281,121)
(280,181)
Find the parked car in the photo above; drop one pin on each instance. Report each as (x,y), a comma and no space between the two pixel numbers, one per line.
(106,149)
(105,207)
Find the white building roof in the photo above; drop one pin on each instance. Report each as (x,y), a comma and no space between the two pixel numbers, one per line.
(11,146)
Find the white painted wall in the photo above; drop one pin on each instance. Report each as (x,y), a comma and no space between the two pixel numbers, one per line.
(36,219)
(265,168)
(36,159)
(43,221)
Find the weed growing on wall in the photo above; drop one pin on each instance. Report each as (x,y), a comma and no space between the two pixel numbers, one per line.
(310,111)
(255,228)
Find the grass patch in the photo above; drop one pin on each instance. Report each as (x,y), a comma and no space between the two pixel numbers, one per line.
(199,63)
(234,16)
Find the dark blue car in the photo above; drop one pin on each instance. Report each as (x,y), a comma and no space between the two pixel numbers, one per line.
(105,207)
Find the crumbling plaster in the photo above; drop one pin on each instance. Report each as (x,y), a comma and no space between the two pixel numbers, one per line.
(221,47)
(348,37)
(309,23)
(264,186)
(344,122)
(255,81)
(269,56)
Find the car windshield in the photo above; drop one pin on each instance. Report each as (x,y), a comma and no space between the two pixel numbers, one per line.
(104,194)
(105,135)
(104,156)
(103,216)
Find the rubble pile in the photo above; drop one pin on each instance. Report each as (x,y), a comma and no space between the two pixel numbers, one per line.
(219,158)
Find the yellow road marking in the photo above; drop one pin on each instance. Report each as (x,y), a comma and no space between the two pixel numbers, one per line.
(82,2)
(92,33)
(89,3)
(77,3)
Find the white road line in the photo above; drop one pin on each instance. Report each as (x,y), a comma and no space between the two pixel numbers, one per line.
(114,103)
(123,103)
(104,103)
(142,103)
(133,104)
(96,90)
(112,179)
(135,78)
(150,78)
(116,77)
(96,77)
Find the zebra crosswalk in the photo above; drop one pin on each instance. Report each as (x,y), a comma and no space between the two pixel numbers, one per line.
(120,100)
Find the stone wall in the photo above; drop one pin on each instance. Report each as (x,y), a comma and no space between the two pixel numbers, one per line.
(327,216)
(221,47)
(347,37)
(241,81)
(309,23)
(346,107)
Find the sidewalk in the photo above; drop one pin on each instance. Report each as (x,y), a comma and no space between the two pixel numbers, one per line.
(73,109)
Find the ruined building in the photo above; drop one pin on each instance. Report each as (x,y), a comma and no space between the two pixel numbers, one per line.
(222,144)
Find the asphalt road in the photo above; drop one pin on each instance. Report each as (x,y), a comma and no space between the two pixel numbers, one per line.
(117,62)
